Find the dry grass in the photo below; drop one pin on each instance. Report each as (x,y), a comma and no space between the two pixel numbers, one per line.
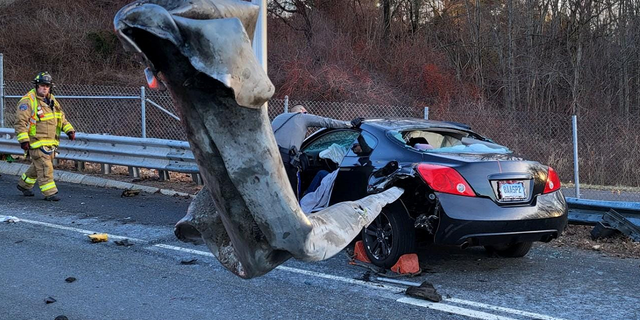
(580,237)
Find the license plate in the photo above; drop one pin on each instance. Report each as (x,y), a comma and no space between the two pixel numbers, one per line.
(511,190)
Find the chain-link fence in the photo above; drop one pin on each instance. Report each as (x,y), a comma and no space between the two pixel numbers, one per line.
(609,145)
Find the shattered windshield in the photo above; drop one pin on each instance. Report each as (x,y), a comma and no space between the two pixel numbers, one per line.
(446,140)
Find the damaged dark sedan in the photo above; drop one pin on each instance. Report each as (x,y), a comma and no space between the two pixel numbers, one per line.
(461,188)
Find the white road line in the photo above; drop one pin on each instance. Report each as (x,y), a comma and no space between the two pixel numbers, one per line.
(176,248)
(477,304)
(503,309)
(57,226)
(407,300)
(295,270)
(342,279)
(452,309)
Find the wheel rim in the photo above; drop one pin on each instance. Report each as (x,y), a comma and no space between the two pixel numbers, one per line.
(378,237)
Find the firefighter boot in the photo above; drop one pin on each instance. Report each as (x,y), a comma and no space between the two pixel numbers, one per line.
(25,192)
(52,197)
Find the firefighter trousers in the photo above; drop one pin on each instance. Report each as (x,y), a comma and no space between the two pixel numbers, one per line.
(41,170)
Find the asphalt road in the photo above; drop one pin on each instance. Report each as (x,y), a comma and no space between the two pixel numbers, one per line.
(148,280)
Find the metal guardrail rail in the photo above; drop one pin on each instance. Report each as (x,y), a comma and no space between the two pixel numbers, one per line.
(166,155)
(590,212)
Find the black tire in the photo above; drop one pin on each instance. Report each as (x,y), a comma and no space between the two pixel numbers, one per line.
(389,236)
(514,250)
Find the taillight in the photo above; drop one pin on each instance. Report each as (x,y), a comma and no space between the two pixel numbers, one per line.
(445,179)
(553,182)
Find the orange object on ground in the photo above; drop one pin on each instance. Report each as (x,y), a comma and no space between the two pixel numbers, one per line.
(408,263)
(359,253)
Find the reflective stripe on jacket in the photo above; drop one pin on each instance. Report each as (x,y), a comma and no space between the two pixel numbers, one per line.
(38,123)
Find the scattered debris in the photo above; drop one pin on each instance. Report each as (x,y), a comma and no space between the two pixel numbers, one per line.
(61,318)
(597,247)
(9,219)
(19,241)
(126,220)
(49,300)
(70,279)
(98,237)
(578,236)
(191,261)
(124,242)
(365,277)
(424,291)
(601,231)
(618,221)
(130,193)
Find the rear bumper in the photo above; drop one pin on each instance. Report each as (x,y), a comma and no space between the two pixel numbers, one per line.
(480,221)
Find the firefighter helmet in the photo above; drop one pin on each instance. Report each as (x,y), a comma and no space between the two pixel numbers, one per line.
(43,78)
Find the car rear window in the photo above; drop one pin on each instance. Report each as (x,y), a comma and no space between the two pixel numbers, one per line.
(446,140)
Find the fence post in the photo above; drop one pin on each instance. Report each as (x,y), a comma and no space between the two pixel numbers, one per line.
(1,91)
(144,113)
(286,104)
(426,113)
(574,121)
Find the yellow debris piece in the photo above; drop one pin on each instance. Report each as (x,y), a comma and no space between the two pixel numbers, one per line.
(98,237)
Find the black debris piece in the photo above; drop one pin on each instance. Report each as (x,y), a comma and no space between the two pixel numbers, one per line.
(618,221)
(70,279)
(365,277)
(49,300)
(602,230)
(190,261)
(130,193)
(61,318)
(425,291)
(123,242)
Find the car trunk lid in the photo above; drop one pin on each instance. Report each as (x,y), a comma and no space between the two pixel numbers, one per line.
(505,179)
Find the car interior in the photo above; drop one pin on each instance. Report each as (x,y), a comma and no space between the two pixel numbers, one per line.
(441,139)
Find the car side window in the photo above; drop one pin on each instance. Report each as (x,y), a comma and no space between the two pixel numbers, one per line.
(343,138)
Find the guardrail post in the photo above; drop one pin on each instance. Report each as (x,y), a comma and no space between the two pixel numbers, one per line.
(134,172)
(286,104)
(576,171)
(197,178)
(105,168)
(1,91)
(426,113)
(80,166)
(143,100)
(163,175)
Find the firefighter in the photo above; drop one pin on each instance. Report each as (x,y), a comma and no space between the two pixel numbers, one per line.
(39,121)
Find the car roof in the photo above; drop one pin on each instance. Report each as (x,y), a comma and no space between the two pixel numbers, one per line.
(402,124)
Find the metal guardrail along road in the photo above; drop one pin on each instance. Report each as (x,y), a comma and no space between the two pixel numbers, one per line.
(167,155)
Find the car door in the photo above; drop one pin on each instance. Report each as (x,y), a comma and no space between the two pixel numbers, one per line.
(319,143)
(355,169)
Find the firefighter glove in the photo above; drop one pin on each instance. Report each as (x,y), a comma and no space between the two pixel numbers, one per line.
(25,145)
(355,123)
(71,135)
